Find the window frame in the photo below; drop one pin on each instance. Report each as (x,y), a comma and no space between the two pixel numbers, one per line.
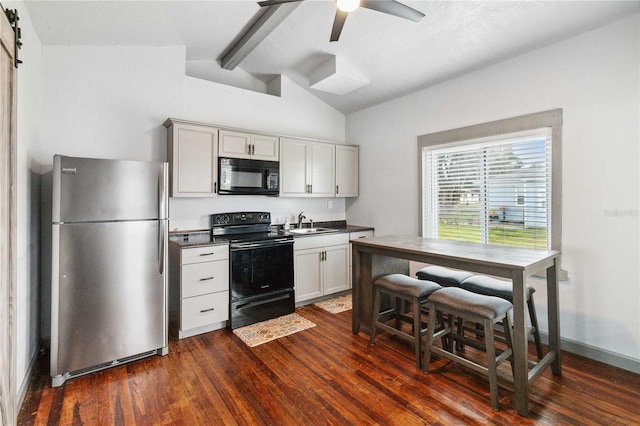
(551,119)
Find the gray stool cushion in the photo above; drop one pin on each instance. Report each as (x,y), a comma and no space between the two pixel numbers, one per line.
(444,276)
(458,299)
(489,286)
(407,286)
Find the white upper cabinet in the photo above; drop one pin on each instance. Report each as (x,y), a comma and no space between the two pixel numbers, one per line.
(322,170)
(346,171)
(307,168)
(192,152)
(247,145)
(293,167)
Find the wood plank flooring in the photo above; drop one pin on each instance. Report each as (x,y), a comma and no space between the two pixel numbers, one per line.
(321,376)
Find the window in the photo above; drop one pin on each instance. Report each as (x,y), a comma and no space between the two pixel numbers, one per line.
(495,183)
(494,191)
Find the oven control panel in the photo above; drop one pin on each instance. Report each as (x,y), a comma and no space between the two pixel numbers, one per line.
(240,218)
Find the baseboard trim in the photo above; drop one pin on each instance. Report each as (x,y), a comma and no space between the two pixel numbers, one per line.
(24,387)
(597,354)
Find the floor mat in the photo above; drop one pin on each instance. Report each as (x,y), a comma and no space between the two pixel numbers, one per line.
(336,304)
(266,331)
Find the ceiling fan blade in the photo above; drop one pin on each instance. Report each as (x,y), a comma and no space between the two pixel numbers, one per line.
(275,2)
(338,23)
(394,8)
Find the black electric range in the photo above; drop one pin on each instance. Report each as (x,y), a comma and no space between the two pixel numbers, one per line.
(261,267)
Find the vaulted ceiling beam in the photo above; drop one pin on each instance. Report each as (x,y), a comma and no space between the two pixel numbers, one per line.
(268,21)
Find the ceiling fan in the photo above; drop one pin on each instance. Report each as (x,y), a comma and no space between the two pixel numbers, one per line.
(390,7)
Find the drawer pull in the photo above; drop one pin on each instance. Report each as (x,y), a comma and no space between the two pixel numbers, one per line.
(206,279)
(207,310)
(206,254)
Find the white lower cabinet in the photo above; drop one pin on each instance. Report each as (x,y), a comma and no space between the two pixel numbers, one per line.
(199,288)
(321,265)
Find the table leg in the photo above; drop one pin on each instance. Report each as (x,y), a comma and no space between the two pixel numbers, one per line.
(355,291)
(520,364)
(554,316)
(361,283)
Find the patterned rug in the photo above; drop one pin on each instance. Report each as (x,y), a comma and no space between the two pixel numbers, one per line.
(266,331)
(336,305)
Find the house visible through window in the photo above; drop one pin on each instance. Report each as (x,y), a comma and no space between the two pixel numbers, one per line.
(495,183)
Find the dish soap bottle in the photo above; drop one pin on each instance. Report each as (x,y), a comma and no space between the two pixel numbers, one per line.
(287,225)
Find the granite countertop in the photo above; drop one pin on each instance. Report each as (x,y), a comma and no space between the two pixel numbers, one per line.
(341,225)
(194,238)
(202,237)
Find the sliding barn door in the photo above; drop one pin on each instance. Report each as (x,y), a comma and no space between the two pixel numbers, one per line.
(7,225)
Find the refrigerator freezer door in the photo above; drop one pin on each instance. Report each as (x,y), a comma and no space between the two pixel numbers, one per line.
(94,190)
(109,292)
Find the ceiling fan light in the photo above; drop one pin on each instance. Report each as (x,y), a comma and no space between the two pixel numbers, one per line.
(348,5)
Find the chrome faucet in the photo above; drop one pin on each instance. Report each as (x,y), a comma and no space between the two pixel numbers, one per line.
(300,217)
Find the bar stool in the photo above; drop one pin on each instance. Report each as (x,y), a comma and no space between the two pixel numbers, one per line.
(488,310)
(489,286)
(403,289)
(448,277)
(444,276)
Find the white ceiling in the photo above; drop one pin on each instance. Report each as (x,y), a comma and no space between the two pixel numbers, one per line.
(396,56)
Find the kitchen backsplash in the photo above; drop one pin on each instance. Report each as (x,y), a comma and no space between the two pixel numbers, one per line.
(193,213)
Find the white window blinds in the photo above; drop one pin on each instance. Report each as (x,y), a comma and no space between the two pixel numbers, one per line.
(490,191)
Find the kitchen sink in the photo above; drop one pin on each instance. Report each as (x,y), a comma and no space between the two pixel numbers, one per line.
(307,231)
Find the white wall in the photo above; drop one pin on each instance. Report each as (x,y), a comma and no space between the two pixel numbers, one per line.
(110,102)
(595,79)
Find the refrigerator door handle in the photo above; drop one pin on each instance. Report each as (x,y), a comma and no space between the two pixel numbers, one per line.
(161,244)
(163,213)
(162,192)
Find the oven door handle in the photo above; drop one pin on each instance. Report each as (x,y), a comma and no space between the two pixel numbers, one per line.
(263,301)
(261,244)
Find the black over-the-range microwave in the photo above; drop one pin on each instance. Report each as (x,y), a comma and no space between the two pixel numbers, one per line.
(248,177)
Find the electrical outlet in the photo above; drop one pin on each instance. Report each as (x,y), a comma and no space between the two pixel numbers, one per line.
(330,204)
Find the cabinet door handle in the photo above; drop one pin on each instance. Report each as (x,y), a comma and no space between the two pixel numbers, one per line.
(207,310)
(206,254)
(206,279)
(337,189)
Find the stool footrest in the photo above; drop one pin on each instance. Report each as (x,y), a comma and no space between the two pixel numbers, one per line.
(395,331)
(457,358)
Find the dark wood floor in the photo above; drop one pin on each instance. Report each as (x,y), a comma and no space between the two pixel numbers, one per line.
(324,375)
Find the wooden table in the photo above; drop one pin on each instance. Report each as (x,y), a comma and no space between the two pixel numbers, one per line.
(512,263)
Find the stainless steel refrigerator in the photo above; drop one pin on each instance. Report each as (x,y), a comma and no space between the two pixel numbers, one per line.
(109,264)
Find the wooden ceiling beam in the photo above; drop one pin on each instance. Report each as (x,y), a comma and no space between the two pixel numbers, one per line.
(267,21)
